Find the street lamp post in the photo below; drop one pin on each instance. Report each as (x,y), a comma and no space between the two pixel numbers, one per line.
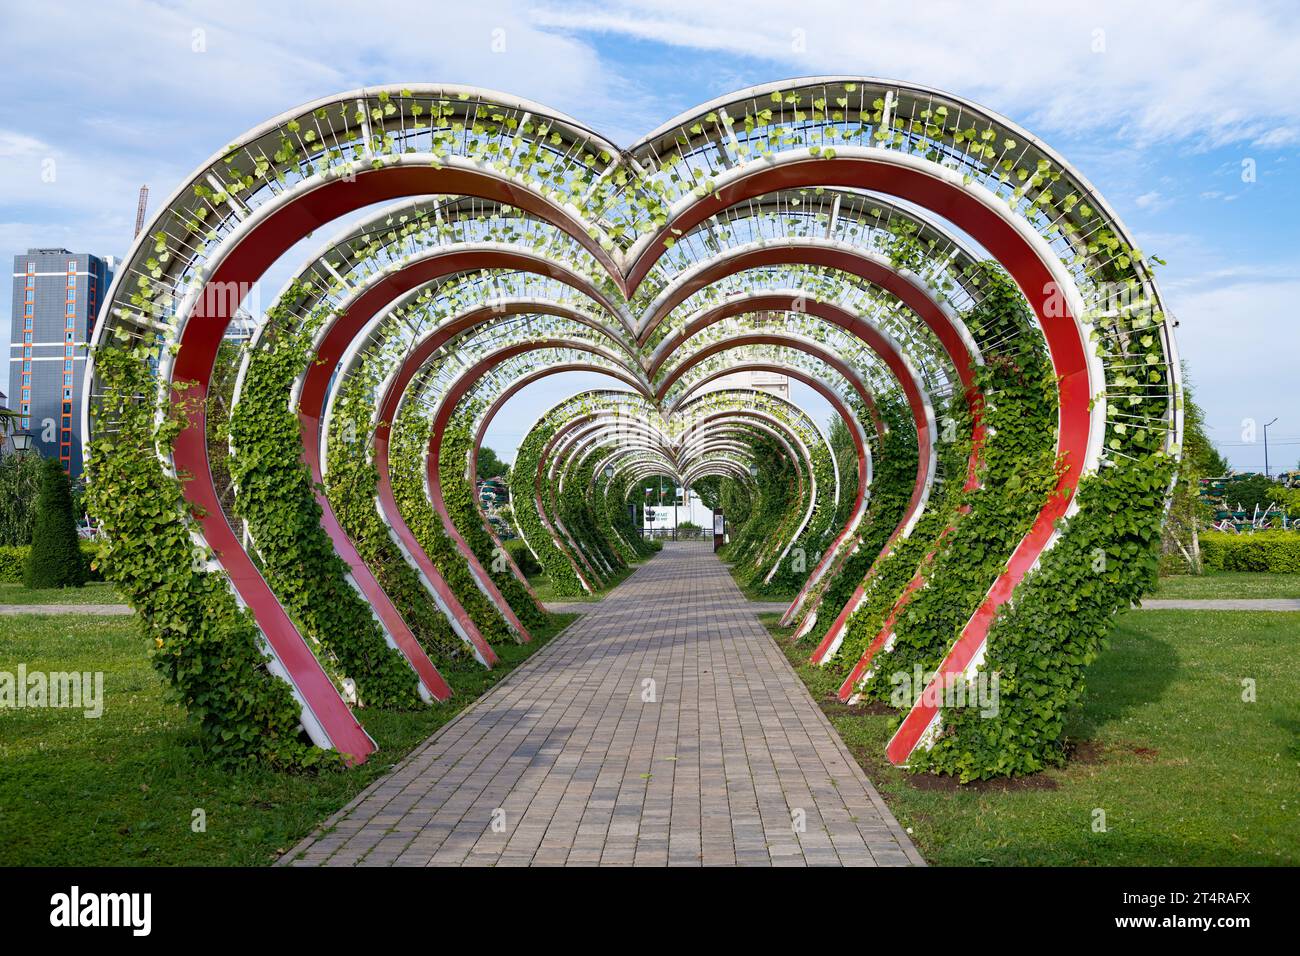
(1266,474)
(22,441)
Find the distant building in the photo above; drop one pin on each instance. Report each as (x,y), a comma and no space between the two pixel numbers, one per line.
(57,295)
(763,381)
(241,328)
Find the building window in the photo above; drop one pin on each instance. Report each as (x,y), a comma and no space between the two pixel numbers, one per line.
(72,295)
(30,294)
(31,266)
(67,393)
(72,265)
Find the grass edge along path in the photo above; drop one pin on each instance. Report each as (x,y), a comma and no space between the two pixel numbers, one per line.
(1232,585)
(134,787)
(1185,771)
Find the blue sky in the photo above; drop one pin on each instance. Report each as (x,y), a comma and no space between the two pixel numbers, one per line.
(1162,105)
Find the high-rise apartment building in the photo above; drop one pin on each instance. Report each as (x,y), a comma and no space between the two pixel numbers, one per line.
(57,295)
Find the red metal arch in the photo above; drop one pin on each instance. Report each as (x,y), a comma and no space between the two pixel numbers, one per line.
(244,261)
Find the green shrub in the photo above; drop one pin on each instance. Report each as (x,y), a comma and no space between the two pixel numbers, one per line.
(13,557)
(54,559)
(523,557)
(1275,551)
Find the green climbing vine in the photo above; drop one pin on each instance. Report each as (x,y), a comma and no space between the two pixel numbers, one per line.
(276,496)
(207,648)
(351,483)
(890,573)
(458,494)
(894,460)
(1041,644)
(1018,472)
(523,474)
(406,456)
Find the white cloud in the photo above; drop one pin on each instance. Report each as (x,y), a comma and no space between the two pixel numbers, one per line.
(1152,201)
(1163,69)
(117,95)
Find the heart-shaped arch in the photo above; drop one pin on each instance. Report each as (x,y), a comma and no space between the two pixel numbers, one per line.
(220,231)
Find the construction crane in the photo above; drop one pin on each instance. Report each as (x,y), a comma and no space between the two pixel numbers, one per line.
(140,208)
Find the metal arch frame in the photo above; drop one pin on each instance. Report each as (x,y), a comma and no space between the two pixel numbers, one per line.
(836,551)
(793,445)
(727,416)
(464,382)
(784,209)
(276,225)
(568,443)
(1032,265)
(433,484)
(315,448)
(393,394)
(956,340)
(485,419)
(566,437)
(922,411)
(425,351)
(870,267)
(346,727)
(359,301)
(803,458)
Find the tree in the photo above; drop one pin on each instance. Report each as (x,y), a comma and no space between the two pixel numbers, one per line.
(1253,492)
(20,480)
(489,465)
(54,560)
(1187,514)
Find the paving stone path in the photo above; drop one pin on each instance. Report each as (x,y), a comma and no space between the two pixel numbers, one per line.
(664,727)
(754,607)
(110,610)
(1221,604)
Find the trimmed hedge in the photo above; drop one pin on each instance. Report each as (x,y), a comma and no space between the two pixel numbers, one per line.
(53,561)
(1275,551)
(13,557)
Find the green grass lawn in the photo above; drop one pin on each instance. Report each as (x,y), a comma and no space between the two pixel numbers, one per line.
(545,591)
(1228,584)
(122,789)
(1186,772)
(775,595)
(96,592)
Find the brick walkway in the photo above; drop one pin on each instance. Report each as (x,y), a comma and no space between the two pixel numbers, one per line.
(568,761)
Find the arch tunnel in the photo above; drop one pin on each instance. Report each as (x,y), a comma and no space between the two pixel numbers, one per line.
(1002,376)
